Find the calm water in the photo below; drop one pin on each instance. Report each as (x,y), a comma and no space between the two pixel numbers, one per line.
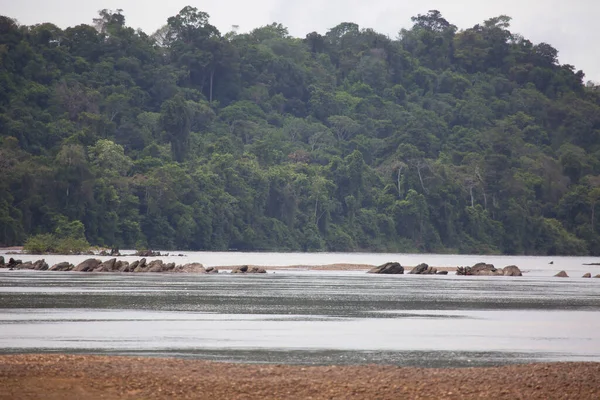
(309,317)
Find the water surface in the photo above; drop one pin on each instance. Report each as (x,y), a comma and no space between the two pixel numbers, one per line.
(304,317)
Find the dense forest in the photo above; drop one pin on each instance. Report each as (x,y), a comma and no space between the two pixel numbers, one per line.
(439,140)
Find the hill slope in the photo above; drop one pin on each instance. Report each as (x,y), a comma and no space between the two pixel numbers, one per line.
(472,140)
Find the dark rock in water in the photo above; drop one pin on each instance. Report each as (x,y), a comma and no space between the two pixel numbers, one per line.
(2,262)
(63,266)
(122,266)
(88,265)
(212,270)
(240,269)
(147,253)
(244,269)
(108,265)
(597,276)
(257,270)
(25,265)
(40,265)
(390,268)
(485,270)
(442,273)
(551,263)
(562,274)
(419,269)
(588,275)
(155,266)
(131,266)
(103,253)
(192,268)
(169,267)
(512,270)
(12,263)
(115,253)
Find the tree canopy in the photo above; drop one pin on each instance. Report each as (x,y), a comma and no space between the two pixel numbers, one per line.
(440,140)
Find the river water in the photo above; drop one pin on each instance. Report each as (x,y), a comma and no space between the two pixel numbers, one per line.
(310,317)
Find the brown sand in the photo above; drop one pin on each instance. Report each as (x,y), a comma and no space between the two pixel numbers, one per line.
(101,377)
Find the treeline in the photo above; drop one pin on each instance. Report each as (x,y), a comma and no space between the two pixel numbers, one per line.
(442,140)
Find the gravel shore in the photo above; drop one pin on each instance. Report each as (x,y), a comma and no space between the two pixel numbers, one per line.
(108,377)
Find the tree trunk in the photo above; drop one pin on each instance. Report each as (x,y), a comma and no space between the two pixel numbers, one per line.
(472,200)
(212,74)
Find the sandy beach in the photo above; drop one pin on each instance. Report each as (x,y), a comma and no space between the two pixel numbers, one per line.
(101,377)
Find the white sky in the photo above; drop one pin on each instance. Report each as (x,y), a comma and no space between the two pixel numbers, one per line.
(572,26)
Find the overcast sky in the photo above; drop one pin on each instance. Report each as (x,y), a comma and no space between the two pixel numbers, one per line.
(571,26)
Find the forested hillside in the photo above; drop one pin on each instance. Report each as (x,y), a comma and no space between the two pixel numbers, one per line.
(439,140)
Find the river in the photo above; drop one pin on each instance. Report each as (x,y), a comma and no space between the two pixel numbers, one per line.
(310,317)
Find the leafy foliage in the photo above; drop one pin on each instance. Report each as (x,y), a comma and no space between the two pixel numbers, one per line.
(472,140)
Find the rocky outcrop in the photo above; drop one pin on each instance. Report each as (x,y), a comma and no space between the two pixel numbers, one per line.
(483,269)
(88,265)
(244,269)
(12,263)
(562,274)
(114,265)
(196,268)
(587,275)
(388,268)
(2,264)
(512,270)
(423,269)
(597,276)
(63,266)
(442,273)
(147,253)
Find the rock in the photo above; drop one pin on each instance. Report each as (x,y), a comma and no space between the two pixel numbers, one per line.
(115,253)
(88,265)
(155,266)
(562,274)
(244,269)
(512,270)
(597,276)
(484,269)
(25,265)
(130,267)
(588,275)
(40,265)
(2,262)
(147,253)
(551,263)
(442,273)
(419,269)
(388,268)
(212,270)
(108,265)
(169,267)
(12,263)
(100,268)
(240,269)
(257,270)
(103,253)
(123,266)
(63,266)
(192,268)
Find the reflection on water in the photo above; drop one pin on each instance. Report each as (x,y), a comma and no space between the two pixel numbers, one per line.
(303,317)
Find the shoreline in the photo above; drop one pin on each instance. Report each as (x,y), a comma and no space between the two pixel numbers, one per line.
(58,376)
